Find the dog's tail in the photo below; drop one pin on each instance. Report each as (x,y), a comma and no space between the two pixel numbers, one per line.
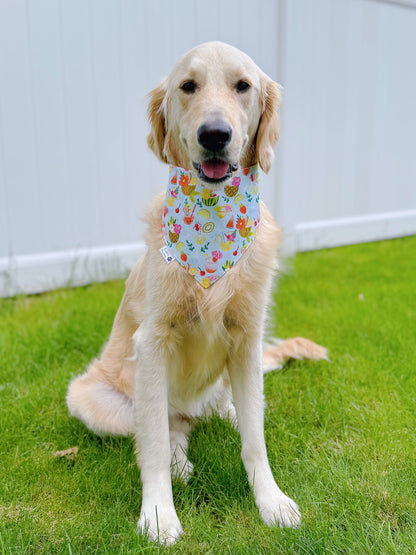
(277,351)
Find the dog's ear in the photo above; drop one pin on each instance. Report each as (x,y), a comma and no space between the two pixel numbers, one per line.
(269,125)
(155,112)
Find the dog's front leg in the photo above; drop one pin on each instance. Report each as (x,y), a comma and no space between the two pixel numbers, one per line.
(158,516)
(245,369)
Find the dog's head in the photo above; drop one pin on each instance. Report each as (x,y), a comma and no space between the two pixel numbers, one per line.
(217,111)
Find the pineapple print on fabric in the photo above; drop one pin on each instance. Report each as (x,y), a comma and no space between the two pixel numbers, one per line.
(208,229)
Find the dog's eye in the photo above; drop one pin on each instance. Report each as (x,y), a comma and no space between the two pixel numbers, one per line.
(242,86)
(189,87)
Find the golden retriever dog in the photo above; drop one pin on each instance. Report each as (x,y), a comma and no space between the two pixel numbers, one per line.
(182,348)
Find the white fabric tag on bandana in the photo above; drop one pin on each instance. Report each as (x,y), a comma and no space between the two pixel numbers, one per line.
(167,254)
(208,229)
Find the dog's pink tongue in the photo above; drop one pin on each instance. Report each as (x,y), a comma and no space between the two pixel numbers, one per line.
(214,169)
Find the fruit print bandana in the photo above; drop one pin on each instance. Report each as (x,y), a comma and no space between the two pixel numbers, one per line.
(207,229)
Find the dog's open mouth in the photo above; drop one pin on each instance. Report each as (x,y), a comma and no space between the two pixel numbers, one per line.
(214,170)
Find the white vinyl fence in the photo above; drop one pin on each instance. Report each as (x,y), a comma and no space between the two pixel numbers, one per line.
(75,171)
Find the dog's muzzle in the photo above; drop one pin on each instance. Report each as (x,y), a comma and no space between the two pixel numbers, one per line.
(214,136)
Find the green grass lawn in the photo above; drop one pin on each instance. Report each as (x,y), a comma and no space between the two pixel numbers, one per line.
(340,435)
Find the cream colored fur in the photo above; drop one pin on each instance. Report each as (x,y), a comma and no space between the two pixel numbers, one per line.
(178,351)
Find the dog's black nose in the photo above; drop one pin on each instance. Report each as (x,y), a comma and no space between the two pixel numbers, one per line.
(214,136)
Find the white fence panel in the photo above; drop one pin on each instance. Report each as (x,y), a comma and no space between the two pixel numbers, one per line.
(75,170)
(76,173)
(347,155)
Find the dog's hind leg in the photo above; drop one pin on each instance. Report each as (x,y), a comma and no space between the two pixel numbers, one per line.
(179,430)
(102,396)
(103,409)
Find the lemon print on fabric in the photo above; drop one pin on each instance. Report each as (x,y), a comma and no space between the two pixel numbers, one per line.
(204,213)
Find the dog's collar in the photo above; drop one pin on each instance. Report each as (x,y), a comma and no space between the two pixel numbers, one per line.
(207,229)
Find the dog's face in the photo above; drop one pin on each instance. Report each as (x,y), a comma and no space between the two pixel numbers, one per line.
(216,112)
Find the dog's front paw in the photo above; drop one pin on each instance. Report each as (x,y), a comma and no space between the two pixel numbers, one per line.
(279,510)
(159,525)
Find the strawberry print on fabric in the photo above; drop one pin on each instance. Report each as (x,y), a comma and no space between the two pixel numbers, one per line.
(208,229)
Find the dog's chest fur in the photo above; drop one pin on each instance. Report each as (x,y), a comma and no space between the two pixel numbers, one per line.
(199,328)
(198,335)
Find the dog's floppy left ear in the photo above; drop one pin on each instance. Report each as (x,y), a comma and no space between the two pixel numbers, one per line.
(155,112)
(269,125)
